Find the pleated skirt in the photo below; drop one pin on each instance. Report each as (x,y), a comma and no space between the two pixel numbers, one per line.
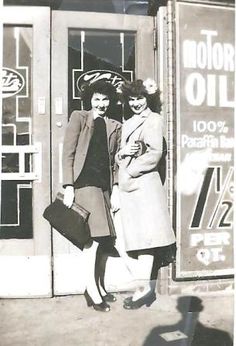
(97,202)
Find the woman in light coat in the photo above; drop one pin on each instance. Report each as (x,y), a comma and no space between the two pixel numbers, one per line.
(146,223)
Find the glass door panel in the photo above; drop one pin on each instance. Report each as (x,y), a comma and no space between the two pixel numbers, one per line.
(25,239)
(98,54)
(87,47)
(17,148)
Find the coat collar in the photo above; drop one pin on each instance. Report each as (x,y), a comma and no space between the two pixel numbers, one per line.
(89,119)
(133,123)
(145,113)
(110,124)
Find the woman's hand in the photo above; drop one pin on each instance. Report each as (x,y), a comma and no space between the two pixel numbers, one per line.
(69,196)
(129,149)
(115,199)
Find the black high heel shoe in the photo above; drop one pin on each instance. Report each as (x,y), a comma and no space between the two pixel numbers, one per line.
(127,300)
(147,300)
(103,306)
(110,298)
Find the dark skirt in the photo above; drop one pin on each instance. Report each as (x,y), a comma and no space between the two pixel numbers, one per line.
(97,202)
(163,255)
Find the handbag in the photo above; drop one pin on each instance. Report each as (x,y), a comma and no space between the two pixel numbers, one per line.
(142,148)
(72,222)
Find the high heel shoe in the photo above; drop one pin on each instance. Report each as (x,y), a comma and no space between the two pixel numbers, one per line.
(127,300)
(110,298)
(103,306)
(88,299)
(147,300)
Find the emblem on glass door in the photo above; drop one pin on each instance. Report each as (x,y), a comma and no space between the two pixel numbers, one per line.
(12,82)
(95,75)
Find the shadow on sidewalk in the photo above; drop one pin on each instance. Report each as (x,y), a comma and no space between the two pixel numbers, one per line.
(188,331)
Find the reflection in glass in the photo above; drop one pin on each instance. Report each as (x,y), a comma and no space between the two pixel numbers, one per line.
(10,163)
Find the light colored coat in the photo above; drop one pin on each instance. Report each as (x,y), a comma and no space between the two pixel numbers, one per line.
(144,212)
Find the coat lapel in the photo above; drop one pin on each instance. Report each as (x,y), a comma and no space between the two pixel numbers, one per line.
(110,126)
(89,124)
(133,123)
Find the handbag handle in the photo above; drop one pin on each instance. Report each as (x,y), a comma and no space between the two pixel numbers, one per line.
(76,207)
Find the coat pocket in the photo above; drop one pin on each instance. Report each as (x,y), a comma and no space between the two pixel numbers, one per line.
(126,182)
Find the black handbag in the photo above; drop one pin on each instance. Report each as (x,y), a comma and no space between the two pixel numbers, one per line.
(72,222)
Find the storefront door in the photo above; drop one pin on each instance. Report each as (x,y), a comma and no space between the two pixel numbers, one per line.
(87,47)
(84,47)
(25,237)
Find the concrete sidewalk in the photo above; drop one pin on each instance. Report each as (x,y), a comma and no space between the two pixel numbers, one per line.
(68,321)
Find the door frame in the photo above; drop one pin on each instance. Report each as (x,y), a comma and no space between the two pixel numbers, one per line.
(68,275)
(25,264)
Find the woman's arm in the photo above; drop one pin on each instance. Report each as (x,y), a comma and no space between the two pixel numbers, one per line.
(69,147)
(130,149)
(115,166)
(115,200)
(69,196)
(152,137)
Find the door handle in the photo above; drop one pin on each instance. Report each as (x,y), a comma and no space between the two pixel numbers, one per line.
(59,124)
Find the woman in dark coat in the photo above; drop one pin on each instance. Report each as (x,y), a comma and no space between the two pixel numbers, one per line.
(144,213)
(89,176)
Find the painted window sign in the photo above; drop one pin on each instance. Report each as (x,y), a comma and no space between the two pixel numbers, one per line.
(95,75)
(205,141)
(13,82)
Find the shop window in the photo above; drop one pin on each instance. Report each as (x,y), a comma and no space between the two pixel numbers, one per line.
(17,150)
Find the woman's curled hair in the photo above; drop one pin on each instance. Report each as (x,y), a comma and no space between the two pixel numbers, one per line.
(100,87)
(141,88)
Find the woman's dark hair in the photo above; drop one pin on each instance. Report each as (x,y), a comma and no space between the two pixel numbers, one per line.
(101,87)
(137,88)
